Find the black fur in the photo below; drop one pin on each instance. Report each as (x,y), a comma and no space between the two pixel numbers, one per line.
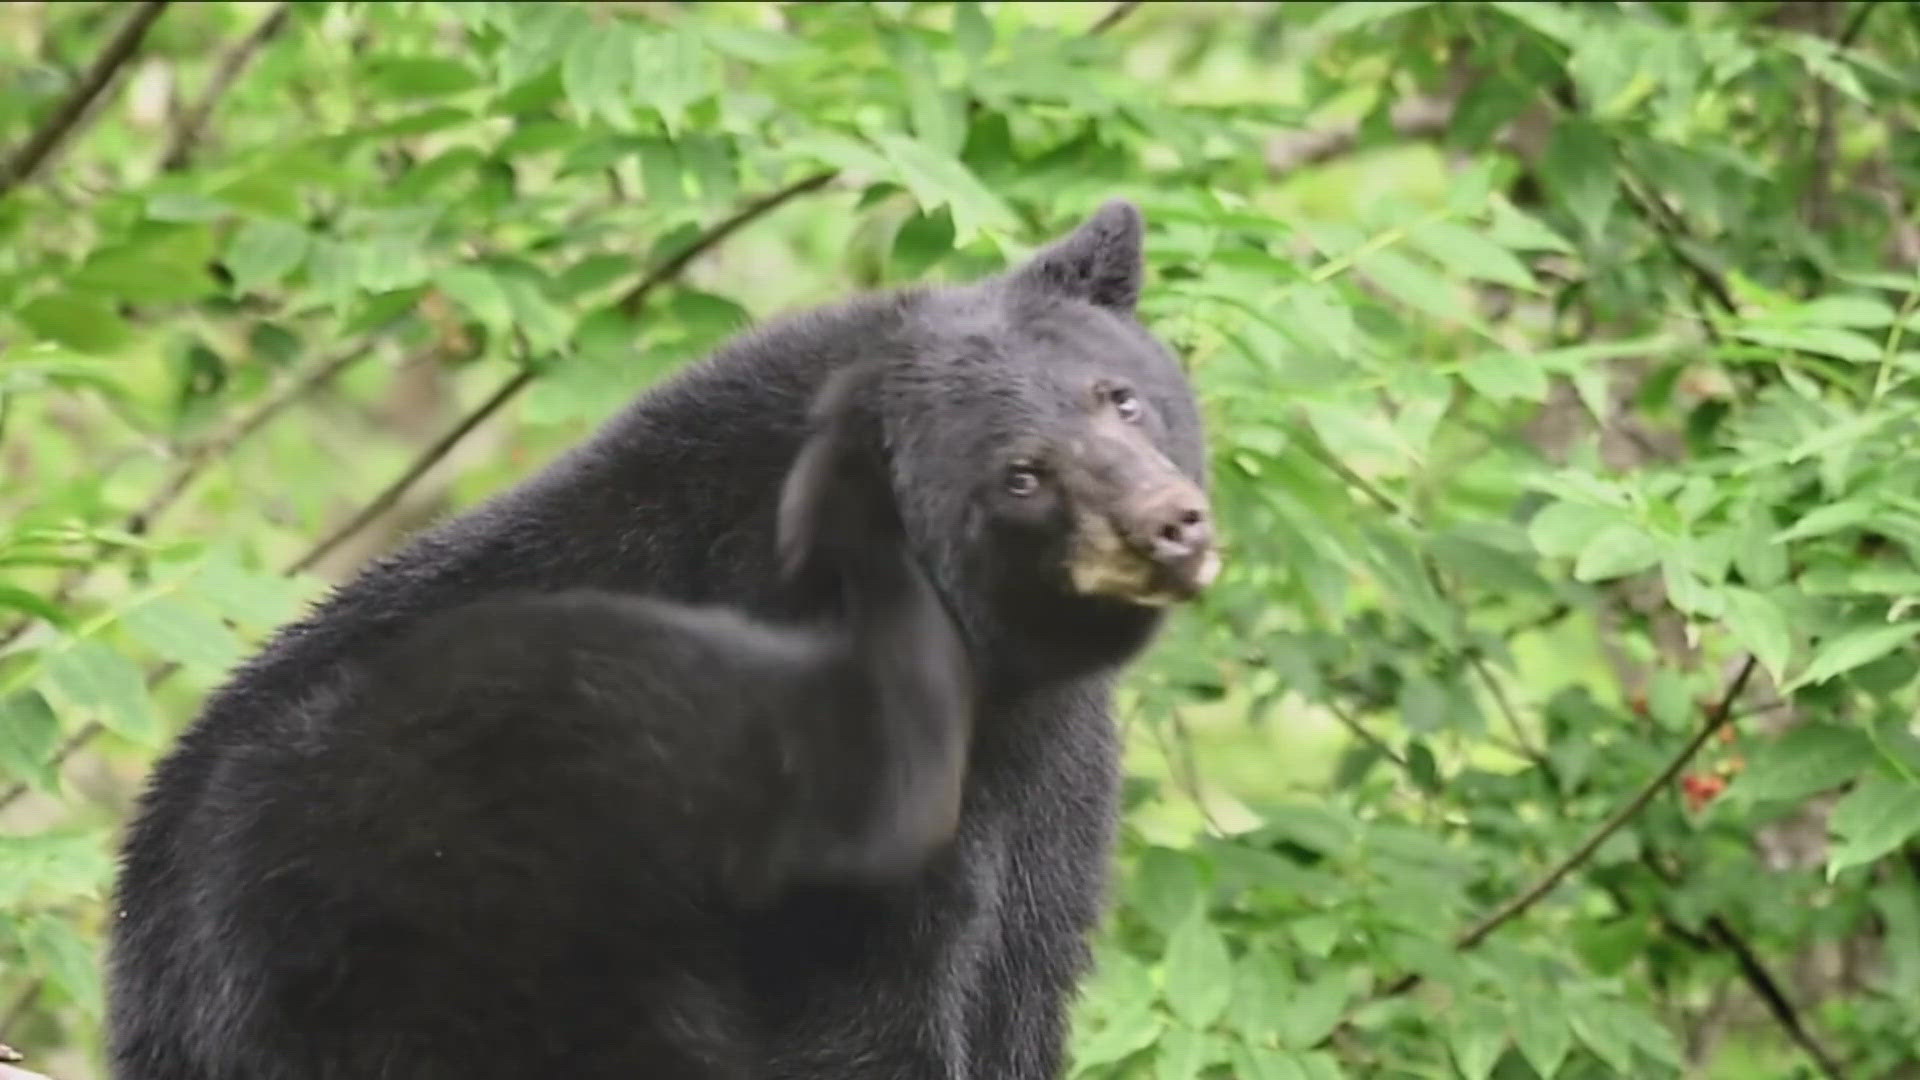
(759,736)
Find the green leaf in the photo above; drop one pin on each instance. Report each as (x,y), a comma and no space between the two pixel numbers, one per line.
(546,325)
(164,269)
(1262,986)
(1579,168)
(1199,973)
(477,290)
(1476,1037)
(1312,1011)
(937,179)
(1166,888)
(1181,1053)
(1807,759)
(754,45)
(1470,254)
(1565,528)
(84,324)
(179,631)
(1415,286)
(1598,1025)
(598,73)
(1876,817)
(263,251)
(939,115)
(53,867)
(420,77)
(972,32)
(1519,231)
(1830,518)
(1759,624)
(255,600)
(1857,647)
(673,71)
(54,947)
(1119,1038)
(1354,14)
(1819,340)
(1851,312)
(1260,1063)
(29,733)
(1541,1032)
(1506,377)
(1617,551)
(91,677)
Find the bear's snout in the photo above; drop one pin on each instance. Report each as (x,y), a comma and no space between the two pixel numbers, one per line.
(1169,525)
(1143,531)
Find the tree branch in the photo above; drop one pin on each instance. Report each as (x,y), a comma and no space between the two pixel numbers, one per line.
(186,133)
(26,160)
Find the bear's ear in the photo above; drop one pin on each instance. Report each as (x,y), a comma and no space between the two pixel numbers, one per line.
(1100,262)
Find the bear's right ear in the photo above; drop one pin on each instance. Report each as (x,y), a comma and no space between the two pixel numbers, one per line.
(1100,262)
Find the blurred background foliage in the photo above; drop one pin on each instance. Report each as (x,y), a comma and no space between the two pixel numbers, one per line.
(1555,716)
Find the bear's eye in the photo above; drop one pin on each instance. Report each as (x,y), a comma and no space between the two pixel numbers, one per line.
(1023,479)
(1125,402)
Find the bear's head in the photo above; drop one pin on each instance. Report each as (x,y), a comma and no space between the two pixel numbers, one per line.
(1047,456)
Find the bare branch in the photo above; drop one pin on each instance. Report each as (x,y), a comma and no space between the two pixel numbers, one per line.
(193,122)
(26,159)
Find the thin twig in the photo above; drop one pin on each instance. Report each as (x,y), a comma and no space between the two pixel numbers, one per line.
(1526,898)
(26,160)
(636,297)
(1504,706)
(1359,731)
(422,463)
(1113,17)
(1857,23)
(1768,989)
(1672,230)
(19,1009)
(193,122)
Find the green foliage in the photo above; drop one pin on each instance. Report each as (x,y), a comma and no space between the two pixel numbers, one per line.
(1560,362)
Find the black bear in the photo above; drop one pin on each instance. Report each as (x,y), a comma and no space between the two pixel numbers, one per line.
(763,735)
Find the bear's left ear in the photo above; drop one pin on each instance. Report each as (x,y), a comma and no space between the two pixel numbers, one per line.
(1100,262)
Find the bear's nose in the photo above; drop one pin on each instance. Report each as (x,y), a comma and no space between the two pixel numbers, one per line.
(1183,534)
(1172,528)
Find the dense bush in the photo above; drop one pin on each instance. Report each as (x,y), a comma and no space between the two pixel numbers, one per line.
(1555,715)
